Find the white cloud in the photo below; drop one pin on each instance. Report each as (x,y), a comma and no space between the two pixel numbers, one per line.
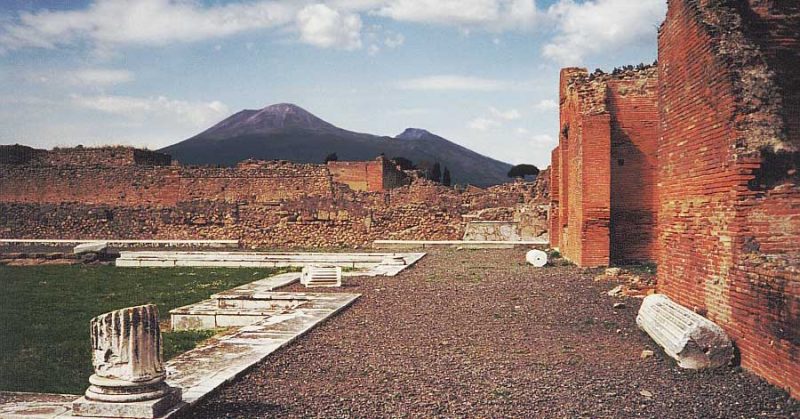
(546,105)
(142,22)
(483,124)
(324,27)
(453,82)
(489,14)
(93,77)
(543,139)
(194,114)
(598,26)
(508,115)
(102,76)
(394,40)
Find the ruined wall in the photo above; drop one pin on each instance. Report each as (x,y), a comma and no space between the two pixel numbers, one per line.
(134,184)
(604,169)
(729,225)
(585,147)
(265,204)
(371,176)
(555,197)
(632,103)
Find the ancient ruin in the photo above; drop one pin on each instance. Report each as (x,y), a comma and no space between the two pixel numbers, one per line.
(129,374)
(603,173)
(682,176)
(123,193)
(694,165)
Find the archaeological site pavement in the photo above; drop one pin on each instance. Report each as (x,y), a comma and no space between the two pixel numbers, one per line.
(480,334)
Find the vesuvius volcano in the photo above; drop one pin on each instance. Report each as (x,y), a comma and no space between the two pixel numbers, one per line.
(289,132)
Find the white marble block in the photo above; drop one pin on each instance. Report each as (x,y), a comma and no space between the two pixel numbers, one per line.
(321,276)
(393,260)
(536,258)
(692,340)
(93,247)
(128,379)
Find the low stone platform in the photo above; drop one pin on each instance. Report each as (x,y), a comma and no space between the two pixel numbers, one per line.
(126,243)
(270,320)
(204,369)
(466,244)
(372,263)
(14,405)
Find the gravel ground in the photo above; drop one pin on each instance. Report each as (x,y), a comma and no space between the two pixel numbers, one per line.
(479,334)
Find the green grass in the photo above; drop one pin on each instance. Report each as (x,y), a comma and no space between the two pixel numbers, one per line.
(45,313)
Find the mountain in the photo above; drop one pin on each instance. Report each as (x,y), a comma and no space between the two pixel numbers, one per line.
(289,132)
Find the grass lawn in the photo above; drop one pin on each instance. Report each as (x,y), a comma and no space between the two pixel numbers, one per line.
(45,313)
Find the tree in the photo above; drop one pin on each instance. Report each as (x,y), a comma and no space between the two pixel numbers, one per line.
(404,163)
(522,170)
(331,157)
(436,172)
(446,181)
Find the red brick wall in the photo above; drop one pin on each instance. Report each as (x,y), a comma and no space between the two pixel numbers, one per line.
(370,176)
(260,203)
(633,105)
(555,197)
(161,185)
(605,209)
(729,245)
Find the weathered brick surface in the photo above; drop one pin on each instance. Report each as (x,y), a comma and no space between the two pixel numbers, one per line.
(371,176)
(260,203)
(603,208)
(729,215)
(632,103)
(555,193)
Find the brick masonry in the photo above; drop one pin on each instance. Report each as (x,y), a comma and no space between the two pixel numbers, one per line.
(704,155)
(729,215)
(76,194)
(371,176)
(604,168)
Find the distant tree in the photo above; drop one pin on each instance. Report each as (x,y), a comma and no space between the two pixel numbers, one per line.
(446,181)
(331,157)
(522,170)
(436,172)
(404,163)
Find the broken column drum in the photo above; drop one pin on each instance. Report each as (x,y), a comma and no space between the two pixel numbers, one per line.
(127,356)
(692,340)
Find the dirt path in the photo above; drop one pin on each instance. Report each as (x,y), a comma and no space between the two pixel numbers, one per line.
(479,334)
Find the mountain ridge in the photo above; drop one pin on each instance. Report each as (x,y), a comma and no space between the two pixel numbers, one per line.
(288,132)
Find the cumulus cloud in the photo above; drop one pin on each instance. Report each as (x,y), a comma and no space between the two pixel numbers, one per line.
(394,40)
(598,26)
(452,82)
(496,119)
(194,114)
(488,14)
(92,77)
(321,26)
(546,105)
(101,76)
(483,124)
(508,115)
(143,22)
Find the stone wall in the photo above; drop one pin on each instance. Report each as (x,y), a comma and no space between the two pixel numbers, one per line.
(371,176)
(728,223)
(264,204)
(632,103)
(134,184)
(603,208)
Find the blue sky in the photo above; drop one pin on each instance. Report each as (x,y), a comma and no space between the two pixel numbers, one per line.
(482,73)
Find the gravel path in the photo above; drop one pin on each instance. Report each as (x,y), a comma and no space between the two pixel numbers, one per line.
(479,334)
